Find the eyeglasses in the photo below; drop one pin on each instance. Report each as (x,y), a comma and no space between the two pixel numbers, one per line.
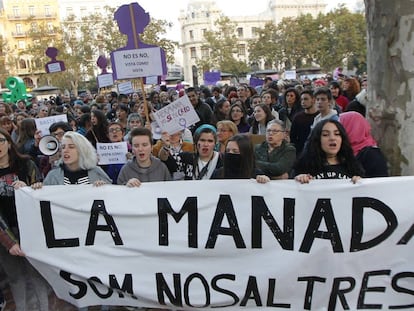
(2,141)
(58,134)
(236,110)
(274,132)
(116,130)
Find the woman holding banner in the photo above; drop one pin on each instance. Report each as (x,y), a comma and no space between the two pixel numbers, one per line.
(239,161)
(202,163)
(78,164)
(16,171)
(327,155)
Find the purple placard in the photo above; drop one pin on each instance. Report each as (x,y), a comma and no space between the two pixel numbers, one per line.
(211,77)
(255,82)
(54,65)
(132,20)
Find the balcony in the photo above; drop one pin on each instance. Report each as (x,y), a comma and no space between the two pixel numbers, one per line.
(22,17)
(20,34)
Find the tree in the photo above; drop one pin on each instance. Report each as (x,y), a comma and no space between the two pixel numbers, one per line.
(222,45)
(391,83)
(326,40)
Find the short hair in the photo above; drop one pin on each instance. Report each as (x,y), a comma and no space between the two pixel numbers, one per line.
(323,90)
(122,96)
(273,94)
(134,116)
(85,109)
(308,91)
(84,119)
(205,128)
(278,122)
(140,131)
(63,125)
(87,153)
(116,123)
(190,89)
(216,89)
(228,124)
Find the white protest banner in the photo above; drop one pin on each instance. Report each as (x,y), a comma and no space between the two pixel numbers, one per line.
(176,116)
(43,124)
(290,74)
(225,244)
(112,153)
(105,80)
(138,63)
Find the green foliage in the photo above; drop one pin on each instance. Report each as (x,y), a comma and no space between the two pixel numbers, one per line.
(326,40)
(222,47)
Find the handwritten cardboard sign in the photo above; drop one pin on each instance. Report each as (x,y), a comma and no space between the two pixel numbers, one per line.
(177,116)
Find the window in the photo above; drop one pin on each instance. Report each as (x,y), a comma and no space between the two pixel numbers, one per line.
(191,35)
(31,10)
(203,31)
(19,29)
(50,28)
(83,11)
(33,26)
(69,11)
(241,49)
(21,44)
(254,31)
(193,52)
(47,10)
(205,52)
(16,11)
(240,32)
(22,64)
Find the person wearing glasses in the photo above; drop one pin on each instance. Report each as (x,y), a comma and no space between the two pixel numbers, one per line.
(275,156)
(116,135)
(17,171)
(238,116)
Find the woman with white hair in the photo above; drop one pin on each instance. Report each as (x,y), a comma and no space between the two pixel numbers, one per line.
(78,164)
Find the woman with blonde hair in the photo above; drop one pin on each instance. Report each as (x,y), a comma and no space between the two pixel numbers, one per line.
(225,130)
(78,164)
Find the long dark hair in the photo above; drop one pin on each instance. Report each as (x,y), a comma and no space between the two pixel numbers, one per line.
(248,159)
(313,158)
(17,161)
(269,117)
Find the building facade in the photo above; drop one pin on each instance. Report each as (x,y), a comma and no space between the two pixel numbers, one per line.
(17,18)
(200,16)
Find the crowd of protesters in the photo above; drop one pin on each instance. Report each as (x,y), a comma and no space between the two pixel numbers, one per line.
(283,129)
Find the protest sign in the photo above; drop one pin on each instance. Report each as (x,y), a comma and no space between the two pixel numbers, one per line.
(138,63)
(327,245)
(125,88)
(43,124)
(105,80)
(112,153)
(176,116)
(290,74)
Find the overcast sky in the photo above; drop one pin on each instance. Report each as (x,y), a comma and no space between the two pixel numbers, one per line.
(169,10)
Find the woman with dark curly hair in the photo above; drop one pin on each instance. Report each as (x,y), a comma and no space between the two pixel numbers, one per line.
(99,131)
(328,155)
